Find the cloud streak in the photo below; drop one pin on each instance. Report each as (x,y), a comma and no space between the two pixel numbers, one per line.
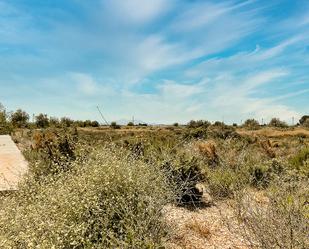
(163,60)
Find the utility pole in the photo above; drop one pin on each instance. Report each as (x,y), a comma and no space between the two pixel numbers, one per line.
(293,121)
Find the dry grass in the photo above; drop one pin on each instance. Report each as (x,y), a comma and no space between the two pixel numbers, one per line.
(200,227)
(273,132)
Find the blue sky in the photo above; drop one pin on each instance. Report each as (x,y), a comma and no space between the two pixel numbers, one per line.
(160,60)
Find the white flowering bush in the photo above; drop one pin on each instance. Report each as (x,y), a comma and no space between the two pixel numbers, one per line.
(106,200)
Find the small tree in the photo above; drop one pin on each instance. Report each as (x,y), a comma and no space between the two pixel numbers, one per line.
(64,121)
(306,123)
(95,123)
(276,122)
(86,123)
(3,115)
(5,126)
(130,124)
(19,118)
(251,124)
(114,125)
(176,124)
(304,119)
(42,120)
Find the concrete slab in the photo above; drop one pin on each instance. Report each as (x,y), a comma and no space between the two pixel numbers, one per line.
(12,164)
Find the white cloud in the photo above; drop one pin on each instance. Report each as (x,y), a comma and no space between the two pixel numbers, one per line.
(137,11)
(171,89)
(85,83)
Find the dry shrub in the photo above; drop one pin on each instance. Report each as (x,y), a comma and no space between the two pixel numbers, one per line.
(282,221)
(201,228)
(267,146)
(108,200)
(52,151)
(208,149)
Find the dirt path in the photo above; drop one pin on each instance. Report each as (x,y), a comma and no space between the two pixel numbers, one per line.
(12,164)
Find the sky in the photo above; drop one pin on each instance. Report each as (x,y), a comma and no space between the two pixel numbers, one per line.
(161,61)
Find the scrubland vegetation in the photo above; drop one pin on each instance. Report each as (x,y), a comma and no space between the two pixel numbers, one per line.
(108,188)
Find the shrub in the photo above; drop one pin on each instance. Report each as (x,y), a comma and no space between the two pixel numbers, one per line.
(5,126)
(222,131)
(108,200)
(54,122)
(303,119)
(251,124)
(52,152)
(66,122)
(130,124)
(95,123)
(281,219)
(198,123)
(19,118)
(300,161)
(176,124)
(306,123)
(221,182)
(276,122)
(142,124)
(42,121)
(260,176)
(114,125)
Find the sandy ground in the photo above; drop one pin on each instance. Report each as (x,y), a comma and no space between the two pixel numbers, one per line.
(12,164)
(212,227)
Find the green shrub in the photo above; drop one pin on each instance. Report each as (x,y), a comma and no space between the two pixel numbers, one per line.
(19,118)
(108,200)
(222,182)
(114,125)
(5,126)
(42,121)
(303,120)
(276,122)
(251,124)
(300,161)
(306,123)
(260,176)
(198,123)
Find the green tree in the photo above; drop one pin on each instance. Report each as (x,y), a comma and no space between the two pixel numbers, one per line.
(41,120)
(19,118)
(276,122)
(67,122)
(95,123)
(114,125)
(251,124)
(3,115)
(304,119)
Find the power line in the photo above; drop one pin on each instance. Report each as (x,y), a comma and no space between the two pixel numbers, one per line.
(102,116)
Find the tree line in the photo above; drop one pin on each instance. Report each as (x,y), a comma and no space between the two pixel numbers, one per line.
(21,119)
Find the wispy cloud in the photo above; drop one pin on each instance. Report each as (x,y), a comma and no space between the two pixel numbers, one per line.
(163,60)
